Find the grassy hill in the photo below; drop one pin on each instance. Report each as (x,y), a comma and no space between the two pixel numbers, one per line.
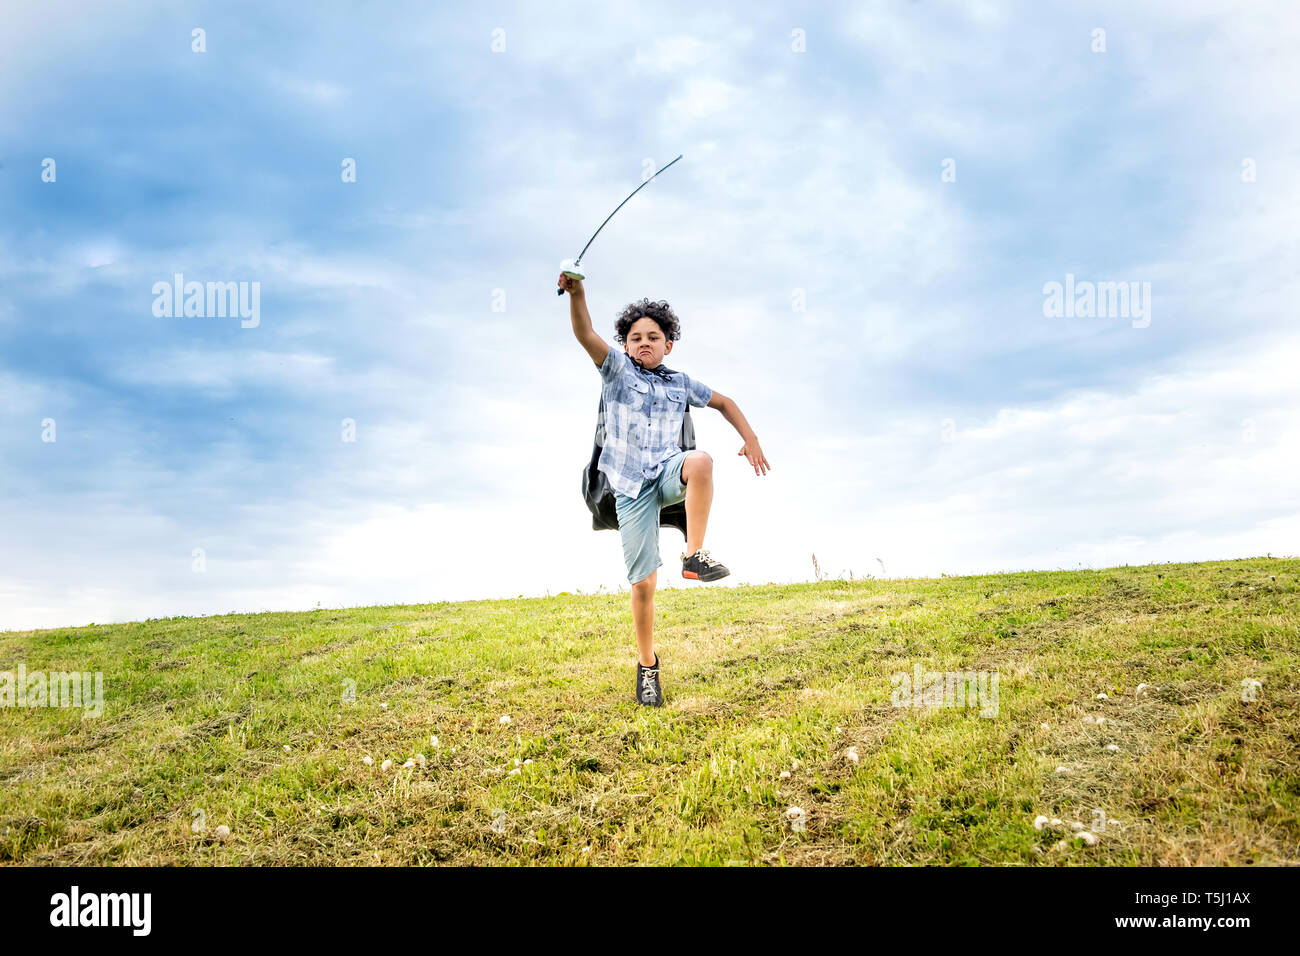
(240,721)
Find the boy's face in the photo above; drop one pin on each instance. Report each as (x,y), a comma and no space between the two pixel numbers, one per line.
(646,342)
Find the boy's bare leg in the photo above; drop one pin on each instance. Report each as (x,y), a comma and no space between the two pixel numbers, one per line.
(643,617)
(697,475)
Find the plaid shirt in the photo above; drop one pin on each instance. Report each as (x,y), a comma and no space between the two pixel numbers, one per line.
(643,417)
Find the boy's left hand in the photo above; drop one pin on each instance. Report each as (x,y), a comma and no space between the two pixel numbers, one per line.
(754,453)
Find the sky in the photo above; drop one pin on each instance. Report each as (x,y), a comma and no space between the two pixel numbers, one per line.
(873,202)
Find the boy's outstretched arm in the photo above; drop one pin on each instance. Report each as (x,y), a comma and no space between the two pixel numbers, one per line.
(596,347)
(751,449)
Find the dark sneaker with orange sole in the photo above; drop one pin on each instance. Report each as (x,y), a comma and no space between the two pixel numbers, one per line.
(702,566)
(648,691)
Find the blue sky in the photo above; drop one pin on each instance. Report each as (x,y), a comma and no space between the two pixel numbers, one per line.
(882,329)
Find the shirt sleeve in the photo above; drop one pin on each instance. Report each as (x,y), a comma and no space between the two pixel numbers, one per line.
(697,393)
(613,365)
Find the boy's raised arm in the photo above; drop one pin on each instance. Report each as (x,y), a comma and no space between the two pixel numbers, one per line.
(596,347)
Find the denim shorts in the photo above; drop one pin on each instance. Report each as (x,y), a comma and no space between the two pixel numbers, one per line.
(638,518)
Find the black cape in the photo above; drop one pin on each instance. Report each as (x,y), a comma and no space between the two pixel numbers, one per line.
(600,497)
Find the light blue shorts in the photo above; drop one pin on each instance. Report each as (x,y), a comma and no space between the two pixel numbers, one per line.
(638,518)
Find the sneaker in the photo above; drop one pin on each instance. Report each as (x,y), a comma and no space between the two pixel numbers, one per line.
(648,691)
(701,566)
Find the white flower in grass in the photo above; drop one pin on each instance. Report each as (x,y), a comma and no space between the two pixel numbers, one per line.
(1089,719)
(516,761)
(586,849)
(1040,821)
(785,775)
(794,765)
(1103,697)
(1061,845)
(1076,825)
(852,754)
(222,833)
(1143,688)
(383,706)
(515,771)
(419,758)
(386,765)
(286,748)
(837,730)
(1086,837)
(1113,748)
(505,719)
(367,760)
(409,763)
(1101,720)
(1044,727)
(797,819)
(1062,769)
(433,740)
(527,762)
(1056,822)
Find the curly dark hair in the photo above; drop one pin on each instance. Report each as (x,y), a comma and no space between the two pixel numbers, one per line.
(660,311)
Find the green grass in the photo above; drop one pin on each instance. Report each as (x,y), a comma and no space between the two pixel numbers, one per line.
(758,680)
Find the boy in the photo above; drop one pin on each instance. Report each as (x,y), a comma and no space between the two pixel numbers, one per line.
(644,405)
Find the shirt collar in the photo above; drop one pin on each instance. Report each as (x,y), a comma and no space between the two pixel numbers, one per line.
(664,373)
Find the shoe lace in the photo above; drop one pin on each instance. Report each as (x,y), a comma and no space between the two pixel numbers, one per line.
(707,559)
(648,681)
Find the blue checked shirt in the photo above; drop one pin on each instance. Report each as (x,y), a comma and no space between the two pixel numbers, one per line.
(643,419)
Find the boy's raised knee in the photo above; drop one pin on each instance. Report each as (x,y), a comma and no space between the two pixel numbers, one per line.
(696,463)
